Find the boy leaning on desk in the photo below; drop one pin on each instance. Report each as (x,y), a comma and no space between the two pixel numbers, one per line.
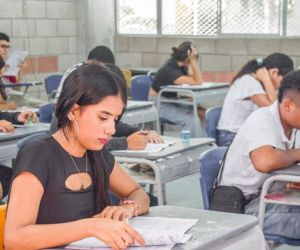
(7,122)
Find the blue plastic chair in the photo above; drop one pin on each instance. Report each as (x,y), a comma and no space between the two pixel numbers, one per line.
(46,112)
(29,138)
(140,86)
(51,85)
(212,119)
(209,162)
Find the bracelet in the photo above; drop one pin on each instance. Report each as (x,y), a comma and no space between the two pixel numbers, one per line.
(126,201)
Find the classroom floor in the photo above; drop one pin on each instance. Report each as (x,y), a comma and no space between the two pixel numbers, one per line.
(186,192)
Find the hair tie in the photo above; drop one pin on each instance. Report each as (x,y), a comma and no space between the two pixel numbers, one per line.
(259,61)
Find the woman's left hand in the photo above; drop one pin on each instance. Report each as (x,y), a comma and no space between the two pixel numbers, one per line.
(154,137)
(26,116)
(123,212)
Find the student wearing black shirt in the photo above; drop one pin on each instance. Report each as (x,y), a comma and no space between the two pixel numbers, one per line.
(181,68)
(62,181)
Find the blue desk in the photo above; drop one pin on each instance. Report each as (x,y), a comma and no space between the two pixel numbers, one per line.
(206,94)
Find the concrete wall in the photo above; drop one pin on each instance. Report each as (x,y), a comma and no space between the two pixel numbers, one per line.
(220,58)
(48,30)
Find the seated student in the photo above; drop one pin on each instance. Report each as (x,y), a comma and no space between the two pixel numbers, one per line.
(268,140)
(181,68)
(4,49)
(5,104)
(7,119)
(126,136)
(62,181)
(255,85)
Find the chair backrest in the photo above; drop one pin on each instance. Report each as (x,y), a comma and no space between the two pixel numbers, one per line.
(127,75)
(2,222)
(29,138)
(46,112)
(140,86)
(52,83)
(209,163)
(212,116)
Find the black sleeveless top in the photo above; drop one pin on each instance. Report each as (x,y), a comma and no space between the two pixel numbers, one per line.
(51,164)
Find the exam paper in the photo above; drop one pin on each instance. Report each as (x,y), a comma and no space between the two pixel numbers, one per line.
(151,148)
(156,231)
(15,58)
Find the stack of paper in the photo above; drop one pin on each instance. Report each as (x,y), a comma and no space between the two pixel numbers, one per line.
(156,231)
(15,58)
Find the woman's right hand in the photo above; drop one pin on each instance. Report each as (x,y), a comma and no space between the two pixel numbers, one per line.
(193,54)
(262,75)
(116,234)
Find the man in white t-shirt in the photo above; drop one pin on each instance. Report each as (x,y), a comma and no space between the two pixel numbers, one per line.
(268,140)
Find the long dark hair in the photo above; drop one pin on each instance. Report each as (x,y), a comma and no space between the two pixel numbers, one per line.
(87,85)
(282,62)
(180,53)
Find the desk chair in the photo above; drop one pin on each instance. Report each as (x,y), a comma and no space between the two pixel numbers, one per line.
(2,222)
(29,138)
(46,112)
(264,200)
(212,119)
(140,86)
(209,162)
(127,75)
(51,85)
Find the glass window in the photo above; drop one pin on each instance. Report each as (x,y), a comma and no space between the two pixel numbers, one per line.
(137,17)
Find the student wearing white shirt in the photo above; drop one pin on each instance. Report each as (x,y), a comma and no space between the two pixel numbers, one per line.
(255,85)
(268,140)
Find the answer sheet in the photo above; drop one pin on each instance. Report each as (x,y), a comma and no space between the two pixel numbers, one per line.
(160,233)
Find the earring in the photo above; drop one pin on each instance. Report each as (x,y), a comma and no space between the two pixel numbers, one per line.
(77,126)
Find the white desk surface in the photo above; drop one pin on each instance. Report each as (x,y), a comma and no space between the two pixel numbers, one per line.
(170,164)
(177,148)
(292,170)
(138,104)
(8,142)
(204,86)
(215,230)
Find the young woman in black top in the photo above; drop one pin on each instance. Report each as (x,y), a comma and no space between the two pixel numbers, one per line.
(59,192)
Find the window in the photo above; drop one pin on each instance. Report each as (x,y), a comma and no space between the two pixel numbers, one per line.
(209,17)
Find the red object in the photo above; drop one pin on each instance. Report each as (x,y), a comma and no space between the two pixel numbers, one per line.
(12,79)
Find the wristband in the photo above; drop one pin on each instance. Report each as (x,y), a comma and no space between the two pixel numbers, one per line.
(126,201)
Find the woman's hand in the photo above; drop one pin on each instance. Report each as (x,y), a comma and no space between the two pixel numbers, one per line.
(116,234)
(121,213)
(262,75)
(6,126)
(192,54)
(27,116)
(154,137)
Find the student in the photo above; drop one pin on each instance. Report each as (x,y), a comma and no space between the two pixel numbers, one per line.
(4,49)
(127,136)
(5,104)
(62,181)
(255,85)
(268,140)
(7,119)
(181,68)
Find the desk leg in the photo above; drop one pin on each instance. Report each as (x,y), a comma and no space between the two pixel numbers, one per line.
(25,90)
